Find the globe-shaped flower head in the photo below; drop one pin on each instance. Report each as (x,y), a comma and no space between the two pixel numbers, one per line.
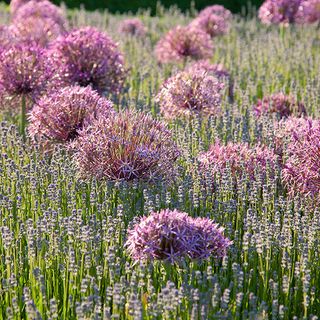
(187,94)
(87,56)
(58,116)
(133,27)
(126,146)
(309,12)
(217,10)
(279,104)
(15,5)
(174,236)
(184,42)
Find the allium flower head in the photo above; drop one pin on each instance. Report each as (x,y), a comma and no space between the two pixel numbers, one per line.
(279,104)
(279,11)
(190,93)
(58,116)
(87,56)
(217,10)
(174,236)
(240,158)
(16,4)
(133,27)
(301,173)
(183,42)
(309,12)
(6,37)
(126,146)
(24,72)
(212,24)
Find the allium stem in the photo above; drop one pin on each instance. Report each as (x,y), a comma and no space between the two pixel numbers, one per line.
(23,118)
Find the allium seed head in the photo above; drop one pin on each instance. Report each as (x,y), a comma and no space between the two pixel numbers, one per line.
(279,104)
(126,146)
(133,27)
(174,236)
(218,10)
(183,42)
(58,116)
(240,158)
(301,173)
(190,93)
(87,56)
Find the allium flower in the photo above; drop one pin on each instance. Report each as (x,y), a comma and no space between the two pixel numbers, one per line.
(190,93)
(212,24)
(89,57)
(126,146)
(58,116)
(309,12)
(240,158)
(24,73)
(301,174)
(174,236)
(183,42)
(6,37)
(279,104)
(279,11)
(16,4)
(217,10)
(133,27)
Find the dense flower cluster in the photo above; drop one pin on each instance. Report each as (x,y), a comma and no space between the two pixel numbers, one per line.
(183,42)
(87,56)
(17,4)
(126,146)
(24,72)
(217,70)
(5,37)
(58,116)
(309,11)
(133,27)
(174,236)
(240,159)
(279,104)
(217,10)
(190,93)
(301,172)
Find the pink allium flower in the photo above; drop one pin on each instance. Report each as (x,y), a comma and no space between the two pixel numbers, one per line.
(309,12)
(190,93)
(301,174)
(133,27)
(212,24)
(87,56)
(279,104)
(16,4)
(174,236)
(279,11)
(183,42)
(58,116)
(217,10)
(126,146)
(217,70)
(240,158)
(25,72)
(6,37)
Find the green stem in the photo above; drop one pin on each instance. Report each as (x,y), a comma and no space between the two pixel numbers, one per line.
(23,118)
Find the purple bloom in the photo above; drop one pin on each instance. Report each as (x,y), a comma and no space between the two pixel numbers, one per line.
(174,236)
(279,104)
(126,146)
(132,27)
(190,93)
(58,116)
(309,12)
(87,56)
(217,10)
(183,42)
(301,174)
(6,37)
(16,4)
(279,11)
(25,72)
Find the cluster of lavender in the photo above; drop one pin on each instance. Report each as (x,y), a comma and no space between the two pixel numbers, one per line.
(173,236)
(290,11)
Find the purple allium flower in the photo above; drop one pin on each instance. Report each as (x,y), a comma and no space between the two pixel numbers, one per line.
(279,11)
(16,4)
(218,70)
(6,37)
(218,10)
(58,116)
(126,146)
(212,24)
(174,236)
(239,157)
(183,42)
(133,27)
(279,104)
(189,93)
(309,12)
(301,173)
(24,73)
(87,56)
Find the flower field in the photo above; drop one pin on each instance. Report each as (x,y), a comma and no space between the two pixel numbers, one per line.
(160,167)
